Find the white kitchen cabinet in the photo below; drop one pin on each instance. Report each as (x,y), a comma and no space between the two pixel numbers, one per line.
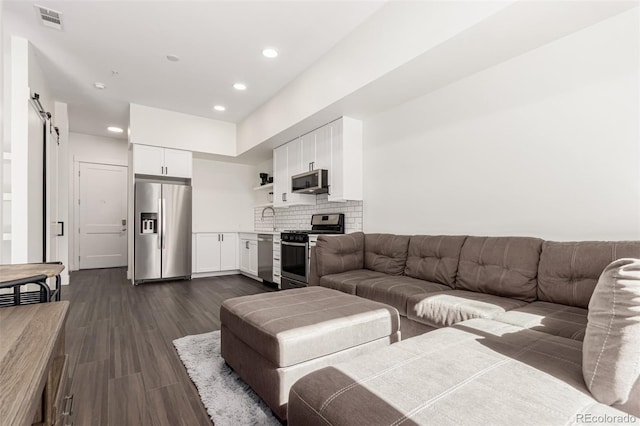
(157,161)
(178,163)
(249,256)
(276,260)
(336,147)
(215,252)
(287,162)
(345,171)
(280,177)
(316,149)
(228,251)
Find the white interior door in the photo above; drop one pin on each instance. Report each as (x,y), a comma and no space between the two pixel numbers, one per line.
(102,213)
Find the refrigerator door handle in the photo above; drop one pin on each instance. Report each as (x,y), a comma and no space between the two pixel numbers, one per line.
(160,219)
(164,223)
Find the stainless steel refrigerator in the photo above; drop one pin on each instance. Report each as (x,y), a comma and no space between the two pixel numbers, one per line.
(162,244)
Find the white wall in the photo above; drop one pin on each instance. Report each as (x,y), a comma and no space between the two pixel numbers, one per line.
(64,163)
(546,144)
(222,196)
(159,127)
(25,135)
(4,245)
(89,148)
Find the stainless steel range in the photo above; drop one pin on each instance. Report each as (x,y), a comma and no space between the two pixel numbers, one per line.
(295,248)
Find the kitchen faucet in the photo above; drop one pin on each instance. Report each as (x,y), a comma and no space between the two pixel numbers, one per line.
(274,216)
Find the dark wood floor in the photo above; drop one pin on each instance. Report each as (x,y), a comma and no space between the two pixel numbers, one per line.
(125,369)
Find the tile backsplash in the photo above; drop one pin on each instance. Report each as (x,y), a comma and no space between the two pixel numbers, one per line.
(299,217)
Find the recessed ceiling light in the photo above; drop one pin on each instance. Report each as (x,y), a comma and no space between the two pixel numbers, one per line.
(240,86)
(98,85)
(173,58)
(115,129)
(219,108)
(269,53)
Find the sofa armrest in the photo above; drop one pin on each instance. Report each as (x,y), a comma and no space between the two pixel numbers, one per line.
(338,253)
(314,278)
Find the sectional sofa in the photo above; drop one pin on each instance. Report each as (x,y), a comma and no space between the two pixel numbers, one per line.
(511,314)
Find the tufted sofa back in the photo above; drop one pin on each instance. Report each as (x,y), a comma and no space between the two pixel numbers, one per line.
(522,268)
(386,253)
(502,266)
(434,258)
(569,271)
(339,254)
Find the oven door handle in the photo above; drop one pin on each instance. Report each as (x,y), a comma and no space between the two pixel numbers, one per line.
(284,243)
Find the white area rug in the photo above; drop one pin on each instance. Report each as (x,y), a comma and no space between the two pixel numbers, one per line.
(228,400)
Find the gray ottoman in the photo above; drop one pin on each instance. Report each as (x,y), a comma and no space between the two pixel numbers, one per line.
(273,339)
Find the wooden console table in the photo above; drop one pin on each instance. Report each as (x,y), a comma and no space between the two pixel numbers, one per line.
(34,382)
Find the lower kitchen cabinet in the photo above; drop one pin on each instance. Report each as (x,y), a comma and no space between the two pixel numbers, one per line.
(249,255)
(276,259)
(215,252)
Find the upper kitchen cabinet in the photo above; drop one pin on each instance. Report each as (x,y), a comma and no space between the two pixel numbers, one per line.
(316,149)
(157,161)
(345,171)
(287,162)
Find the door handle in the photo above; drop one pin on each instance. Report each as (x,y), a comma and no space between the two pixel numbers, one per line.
(159,232)
(164,223)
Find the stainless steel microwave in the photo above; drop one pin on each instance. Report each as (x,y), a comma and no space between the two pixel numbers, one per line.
(313,182)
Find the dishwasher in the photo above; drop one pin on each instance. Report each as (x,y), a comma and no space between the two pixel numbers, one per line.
(265,257)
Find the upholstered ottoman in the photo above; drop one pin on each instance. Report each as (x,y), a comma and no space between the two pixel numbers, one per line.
(273,339)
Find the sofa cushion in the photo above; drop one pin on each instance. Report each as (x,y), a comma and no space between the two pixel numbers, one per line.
(434,258)
(611,350)
(552,318)
(479,372)
(386,253)
(339,253)
(569,271)
(395,291)
(347,281)
(451,307)
(504,266)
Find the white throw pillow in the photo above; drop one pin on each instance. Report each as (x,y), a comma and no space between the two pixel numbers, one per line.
(611,347)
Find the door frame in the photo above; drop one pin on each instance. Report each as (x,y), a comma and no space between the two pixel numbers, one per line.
(74,257)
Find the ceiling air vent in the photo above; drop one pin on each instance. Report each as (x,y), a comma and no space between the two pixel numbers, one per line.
(49,18)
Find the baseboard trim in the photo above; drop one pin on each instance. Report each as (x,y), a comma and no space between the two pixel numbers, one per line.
(214,274)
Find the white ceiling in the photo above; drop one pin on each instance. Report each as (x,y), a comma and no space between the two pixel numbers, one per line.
(218,42)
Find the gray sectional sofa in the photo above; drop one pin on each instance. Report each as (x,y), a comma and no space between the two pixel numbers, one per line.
(510,314)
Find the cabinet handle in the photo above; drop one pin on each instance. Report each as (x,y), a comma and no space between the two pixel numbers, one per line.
(285,196)
(246,245)
(166,170)
(222,235)
(218,237)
